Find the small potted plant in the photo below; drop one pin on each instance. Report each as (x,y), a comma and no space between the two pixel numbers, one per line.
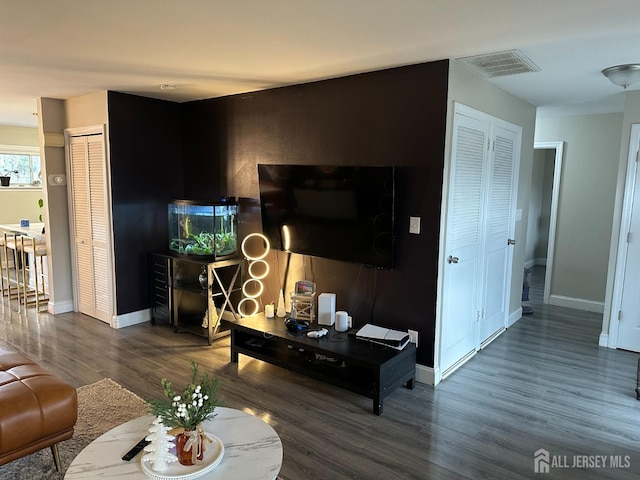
(185,411)
(5,178)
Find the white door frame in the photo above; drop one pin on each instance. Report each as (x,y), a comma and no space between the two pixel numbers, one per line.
(625,225)
(553,219)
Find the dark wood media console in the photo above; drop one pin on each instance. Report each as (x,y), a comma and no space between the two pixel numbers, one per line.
(339,359)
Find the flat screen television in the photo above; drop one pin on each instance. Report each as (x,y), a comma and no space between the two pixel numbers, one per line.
(342,213)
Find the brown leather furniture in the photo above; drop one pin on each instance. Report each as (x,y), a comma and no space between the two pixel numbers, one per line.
(37,409)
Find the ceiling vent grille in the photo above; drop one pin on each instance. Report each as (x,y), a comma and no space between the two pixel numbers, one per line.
(500,64)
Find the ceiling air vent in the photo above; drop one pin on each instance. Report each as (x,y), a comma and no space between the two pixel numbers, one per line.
(499,64)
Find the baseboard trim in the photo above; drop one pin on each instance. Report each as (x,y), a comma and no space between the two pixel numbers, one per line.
(427,375)
(514,317)
(63,306)
(577,303)
(603,341)
(133,318)
(535,261)
(142,316)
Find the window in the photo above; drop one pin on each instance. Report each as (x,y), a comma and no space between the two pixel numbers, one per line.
(23,160)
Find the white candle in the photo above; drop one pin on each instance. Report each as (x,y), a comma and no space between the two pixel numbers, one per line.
(269,311)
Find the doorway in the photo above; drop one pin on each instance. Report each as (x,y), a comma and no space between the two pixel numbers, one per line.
(543,210)
(624,323)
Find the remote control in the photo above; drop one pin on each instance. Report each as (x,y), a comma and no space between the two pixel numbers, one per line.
(318,333)
(137,448)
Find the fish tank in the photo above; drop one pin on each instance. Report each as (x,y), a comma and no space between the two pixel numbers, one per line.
(208,229)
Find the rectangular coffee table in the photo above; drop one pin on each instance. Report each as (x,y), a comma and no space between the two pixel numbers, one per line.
(338,358)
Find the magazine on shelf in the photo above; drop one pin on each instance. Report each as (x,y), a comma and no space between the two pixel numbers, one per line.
(383,336)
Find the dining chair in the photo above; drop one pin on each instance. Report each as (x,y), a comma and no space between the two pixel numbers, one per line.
(10,281)
(33,253)
(4,285)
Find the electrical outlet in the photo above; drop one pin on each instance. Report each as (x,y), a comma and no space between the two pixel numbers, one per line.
(413,336)
(414,225)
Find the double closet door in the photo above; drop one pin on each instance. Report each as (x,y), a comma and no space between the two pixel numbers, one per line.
(89,214)
(479,235)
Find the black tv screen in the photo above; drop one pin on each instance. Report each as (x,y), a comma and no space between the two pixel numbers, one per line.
(339,212)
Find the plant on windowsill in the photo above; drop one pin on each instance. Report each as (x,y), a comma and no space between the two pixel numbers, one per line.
(185,411)
(5,178)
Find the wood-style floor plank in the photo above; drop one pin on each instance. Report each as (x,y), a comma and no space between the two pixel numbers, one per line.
(544,383)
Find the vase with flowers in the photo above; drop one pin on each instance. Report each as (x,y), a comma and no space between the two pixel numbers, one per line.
(185,411)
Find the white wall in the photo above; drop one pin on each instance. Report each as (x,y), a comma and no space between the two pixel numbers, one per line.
(87,110)
(585,205)
(16,204)
(26,136)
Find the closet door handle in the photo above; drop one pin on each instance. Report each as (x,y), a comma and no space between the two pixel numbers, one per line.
(511,241)
(452,259)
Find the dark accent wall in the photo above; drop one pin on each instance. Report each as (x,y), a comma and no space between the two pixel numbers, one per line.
(389,117)
(146,173)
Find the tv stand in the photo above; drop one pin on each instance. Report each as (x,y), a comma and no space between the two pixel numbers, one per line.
(339,359)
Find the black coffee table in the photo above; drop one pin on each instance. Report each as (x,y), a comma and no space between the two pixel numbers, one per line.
(339,359)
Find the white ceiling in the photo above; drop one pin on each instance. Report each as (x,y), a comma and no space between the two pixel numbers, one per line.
(208,48)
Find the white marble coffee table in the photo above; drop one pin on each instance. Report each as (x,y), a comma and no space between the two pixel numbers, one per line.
(253,450)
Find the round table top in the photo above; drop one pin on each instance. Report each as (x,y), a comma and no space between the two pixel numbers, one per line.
(253,450)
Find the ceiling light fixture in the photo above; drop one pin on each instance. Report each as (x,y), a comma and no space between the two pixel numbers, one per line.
(623,75)
(167,86)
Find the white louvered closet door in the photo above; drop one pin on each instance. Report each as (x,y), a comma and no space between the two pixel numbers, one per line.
(463,240)
(497,253)
(480,221)
(90,214)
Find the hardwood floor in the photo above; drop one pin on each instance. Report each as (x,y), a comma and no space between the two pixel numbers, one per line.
(543,384)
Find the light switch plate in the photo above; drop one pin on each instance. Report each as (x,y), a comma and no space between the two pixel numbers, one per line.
(414,225)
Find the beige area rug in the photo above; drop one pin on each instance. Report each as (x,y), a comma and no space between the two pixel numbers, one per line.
(101,406)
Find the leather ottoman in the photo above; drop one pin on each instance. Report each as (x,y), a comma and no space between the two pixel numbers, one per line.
(37,409)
